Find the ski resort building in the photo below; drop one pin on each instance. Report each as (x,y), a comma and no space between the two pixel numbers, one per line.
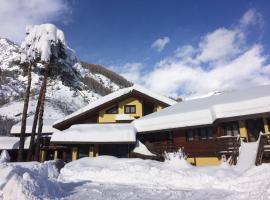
(208,128)
(103,127)
(135,122)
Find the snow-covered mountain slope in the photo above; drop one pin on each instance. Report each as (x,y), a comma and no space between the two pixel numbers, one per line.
(70,87)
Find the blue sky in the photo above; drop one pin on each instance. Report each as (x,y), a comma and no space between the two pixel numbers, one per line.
(168,46)
(114,32)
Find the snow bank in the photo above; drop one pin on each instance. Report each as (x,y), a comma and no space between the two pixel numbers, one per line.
(4,157)
(29,181)
(147,173)
(247,155)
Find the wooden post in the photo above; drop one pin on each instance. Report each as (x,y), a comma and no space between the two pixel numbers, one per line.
(74,153)
(91,150)
(96,150)
(43,155)
(243,129)
(266,127)
(55,155)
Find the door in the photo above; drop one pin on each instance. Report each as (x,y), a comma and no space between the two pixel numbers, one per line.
(254,127)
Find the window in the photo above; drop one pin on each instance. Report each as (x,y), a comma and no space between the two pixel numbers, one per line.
(210,133)
(206,133)
(190,135)
(203,133)
(130,109)
(112,110)
(232,129)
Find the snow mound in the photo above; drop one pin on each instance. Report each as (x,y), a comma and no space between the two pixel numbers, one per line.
(29,181)
(138,172)
(4,157)
(247,155)
(177,160)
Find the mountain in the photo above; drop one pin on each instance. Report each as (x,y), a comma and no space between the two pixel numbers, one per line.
(73,85)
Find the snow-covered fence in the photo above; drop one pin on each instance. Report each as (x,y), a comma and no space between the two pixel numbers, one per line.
(228,146)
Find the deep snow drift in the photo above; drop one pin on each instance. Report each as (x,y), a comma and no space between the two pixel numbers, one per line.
(107,177)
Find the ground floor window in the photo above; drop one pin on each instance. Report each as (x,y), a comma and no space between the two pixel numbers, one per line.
(83,151)
(117,150)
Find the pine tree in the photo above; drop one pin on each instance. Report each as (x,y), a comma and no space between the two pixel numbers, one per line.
(24,114)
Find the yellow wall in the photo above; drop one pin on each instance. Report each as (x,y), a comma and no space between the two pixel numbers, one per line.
(74,153)
(110,118)
(243,129)
(158,107)
(204,161)
(266,127)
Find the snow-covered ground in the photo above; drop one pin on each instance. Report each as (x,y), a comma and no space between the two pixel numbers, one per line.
(107,177)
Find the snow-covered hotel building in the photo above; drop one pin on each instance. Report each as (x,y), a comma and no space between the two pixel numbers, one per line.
(138,122)
(113,124)
(104,126)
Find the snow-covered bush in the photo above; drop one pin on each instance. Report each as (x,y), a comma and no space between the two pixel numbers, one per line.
(177,159)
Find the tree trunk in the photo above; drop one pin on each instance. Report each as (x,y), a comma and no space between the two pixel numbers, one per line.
(31,150)
(24,114)
(41,111)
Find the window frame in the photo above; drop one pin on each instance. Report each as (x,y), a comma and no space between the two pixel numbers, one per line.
(129,106)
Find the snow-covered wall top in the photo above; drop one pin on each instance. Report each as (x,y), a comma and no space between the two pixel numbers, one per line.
(112,133)
(205,111)
(46,129)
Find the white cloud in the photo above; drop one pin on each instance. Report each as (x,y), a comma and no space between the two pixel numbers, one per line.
(221,44)
(251,17)
(172,75)
(15,15)
(160,43)
(131,71)
(221,60)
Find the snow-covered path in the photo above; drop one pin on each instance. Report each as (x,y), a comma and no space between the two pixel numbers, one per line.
(122,192)
(108,177)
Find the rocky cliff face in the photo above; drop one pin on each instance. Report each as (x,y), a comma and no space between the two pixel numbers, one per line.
(71,86)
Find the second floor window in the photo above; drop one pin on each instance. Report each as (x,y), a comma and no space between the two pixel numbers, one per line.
(206,133)
(112,110)
(190,135)
(130,109)
(232,129)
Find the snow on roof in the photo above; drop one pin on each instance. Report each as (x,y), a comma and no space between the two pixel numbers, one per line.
(205,111)
(46,129)
(9,143)
(96,133)
(123,117)
(115,95)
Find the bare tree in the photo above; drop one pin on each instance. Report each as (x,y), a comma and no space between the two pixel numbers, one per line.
(41,111)
(24,114)
(30,152)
